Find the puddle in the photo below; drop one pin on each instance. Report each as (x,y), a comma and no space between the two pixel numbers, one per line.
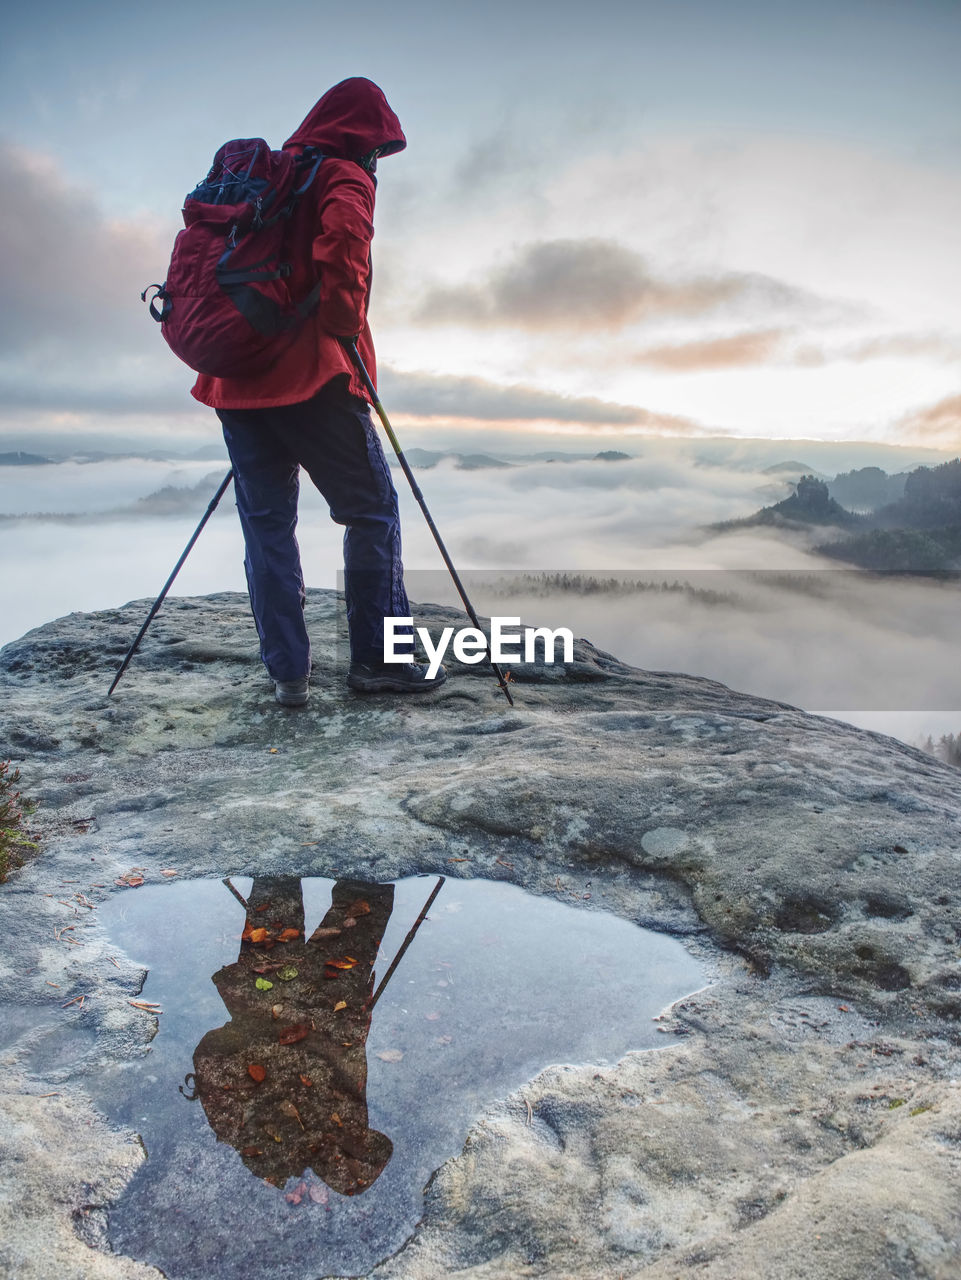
(290,1129)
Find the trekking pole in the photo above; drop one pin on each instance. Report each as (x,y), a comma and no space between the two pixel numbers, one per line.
(169,583)
(407,941)
(351,346)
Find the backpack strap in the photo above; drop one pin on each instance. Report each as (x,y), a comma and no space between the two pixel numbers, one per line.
(311,155)
(160,313)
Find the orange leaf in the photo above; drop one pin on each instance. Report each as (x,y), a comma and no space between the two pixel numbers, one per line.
(306,1081)
(341,1004)
(290,1035)
(257,1072)
(359,908)
(288,935)
(250,934)
(348,962)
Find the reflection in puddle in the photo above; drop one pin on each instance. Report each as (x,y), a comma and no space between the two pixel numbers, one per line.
(285,1081)
(474,998)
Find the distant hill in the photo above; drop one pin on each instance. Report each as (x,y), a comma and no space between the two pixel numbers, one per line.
(867,488)
(921,530)
(427,458)
(611,455)
(791,467)
(810,504)
(21,459)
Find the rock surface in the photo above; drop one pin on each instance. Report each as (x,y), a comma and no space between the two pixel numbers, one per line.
(805,1117)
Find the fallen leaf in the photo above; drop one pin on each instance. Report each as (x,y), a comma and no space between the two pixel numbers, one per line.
(168,871)
(320,934)
(251,1151)
(350,923)
(306,1081)
(287,973)
(359,908)
(458,859)
(341,1004)
(146,1005)
(257,1072)
(347,962)
(250,934)
(319,1195)
(844,1008)
(276,1010)
(295,1196)
(390,1055)
(289,1109)
(130,881)
(288,935)
(273,751)
(331,973)
(290,1035)
(264,984)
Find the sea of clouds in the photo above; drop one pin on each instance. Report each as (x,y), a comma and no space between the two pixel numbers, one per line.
(647,578)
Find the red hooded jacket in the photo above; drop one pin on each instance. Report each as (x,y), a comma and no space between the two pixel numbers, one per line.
(330,233)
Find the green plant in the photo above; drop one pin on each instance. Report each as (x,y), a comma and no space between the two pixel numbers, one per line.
(13,809)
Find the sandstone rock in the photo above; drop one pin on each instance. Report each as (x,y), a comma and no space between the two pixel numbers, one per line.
(807,1122)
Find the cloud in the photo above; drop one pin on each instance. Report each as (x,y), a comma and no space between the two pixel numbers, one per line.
(69,273)
(936,346)
(938,425)
(74,334)
(589,283)
(736,351)
(435,396)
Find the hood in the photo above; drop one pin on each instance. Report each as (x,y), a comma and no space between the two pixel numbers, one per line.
(350,121)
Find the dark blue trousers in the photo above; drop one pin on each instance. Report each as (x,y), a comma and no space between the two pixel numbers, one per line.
(332,437)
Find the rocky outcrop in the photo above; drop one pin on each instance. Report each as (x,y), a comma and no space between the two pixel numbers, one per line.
(805,1122)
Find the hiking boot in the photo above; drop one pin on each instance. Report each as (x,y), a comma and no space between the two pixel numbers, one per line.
(292,693)
(393,677)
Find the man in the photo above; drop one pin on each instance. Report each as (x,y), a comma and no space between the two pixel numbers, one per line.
(310,410)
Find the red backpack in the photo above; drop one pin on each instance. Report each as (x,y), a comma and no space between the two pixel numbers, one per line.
(225,307)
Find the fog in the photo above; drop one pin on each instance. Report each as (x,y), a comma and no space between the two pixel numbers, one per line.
(756,610)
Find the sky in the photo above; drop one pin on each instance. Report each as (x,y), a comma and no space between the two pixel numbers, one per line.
(622,220)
